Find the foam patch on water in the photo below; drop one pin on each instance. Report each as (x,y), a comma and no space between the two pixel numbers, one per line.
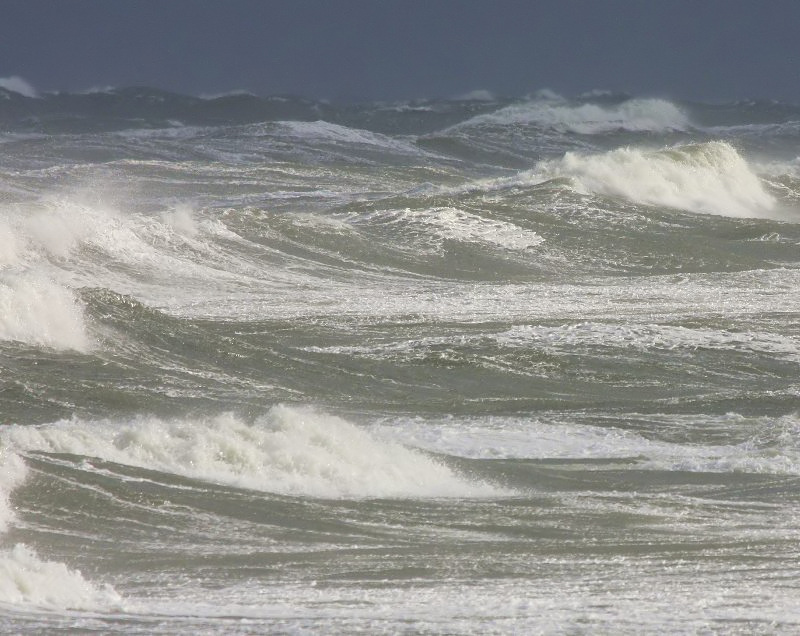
(453,224)
(708,178)
(772,446)
(291,451)
(584,335)
(458,225)
(27,580)
(650,337)
(634,115)
(40,312)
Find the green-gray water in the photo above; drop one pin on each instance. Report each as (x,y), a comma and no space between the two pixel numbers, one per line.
(524,366)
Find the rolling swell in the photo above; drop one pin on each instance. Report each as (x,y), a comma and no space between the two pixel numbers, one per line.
(448,365)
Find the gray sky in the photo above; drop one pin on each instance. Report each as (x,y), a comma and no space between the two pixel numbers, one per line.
(391,49)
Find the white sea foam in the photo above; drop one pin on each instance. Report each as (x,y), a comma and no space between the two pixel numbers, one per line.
(75,239)
(650,337)
(12,473)
(601,336)
(634,115)
(458,225)
(709,178)
(181,219)
(772,446)
(292,451)
(26,580)
(454,224)
(38,311)
(11,247)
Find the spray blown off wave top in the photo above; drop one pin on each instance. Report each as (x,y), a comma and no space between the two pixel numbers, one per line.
(471,365)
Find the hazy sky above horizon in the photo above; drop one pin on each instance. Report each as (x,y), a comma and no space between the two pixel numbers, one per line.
(392,49)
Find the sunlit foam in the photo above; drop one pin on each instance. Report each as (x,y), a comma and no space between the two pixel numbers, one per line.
(771,448)
(11,248)
(292,451)
(441,224)
(38,311)
(181,219)
(709,178)
(26,580)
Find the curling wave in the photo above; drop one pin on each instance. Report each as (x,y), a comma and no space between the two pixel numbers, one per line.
(290,451)
(708,178)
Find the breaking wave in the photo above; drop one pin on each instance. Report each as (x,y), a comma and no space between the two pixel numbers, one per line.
(708,178)
(38,311)
(290,451)
(27,580)
(634,115)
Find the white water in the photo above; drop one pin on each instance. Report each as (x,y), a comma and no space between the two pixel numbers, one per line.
(291,451)
(635,115)
(38,311)
(28,581)
(770,447)
(709,178)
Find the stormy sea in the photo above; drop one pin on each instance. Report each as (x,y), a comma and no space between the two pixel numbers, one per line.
(464,366)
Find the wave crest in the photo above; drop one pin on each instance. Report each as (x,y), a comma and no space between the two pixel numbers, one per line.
(708,178)
(290,451)
(41,312)
(633,115)
(27,580)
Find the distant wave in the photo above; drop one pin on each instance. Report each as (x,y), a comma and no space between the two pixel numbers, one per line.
(23,109)
(16,84)
(636,115)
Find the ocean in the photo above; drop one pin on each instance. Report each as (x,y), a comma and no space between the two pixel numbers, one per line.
(468,366)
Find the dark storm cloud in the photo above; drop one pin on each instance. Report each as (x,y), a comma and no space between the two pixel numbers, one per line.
(386,49)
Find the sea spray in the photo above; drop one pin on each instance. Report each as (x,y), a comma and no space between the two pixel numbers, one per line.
(27,581)
(708,178)
(39,311)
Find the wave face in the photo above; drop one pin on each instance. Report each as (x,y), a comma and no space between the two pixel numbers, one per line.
(471,365)
(710,178)
(633,115)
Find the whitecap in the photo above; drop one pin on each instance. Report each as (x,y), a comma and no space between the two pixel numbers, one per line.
(39,311)
(634,115)
(290,451)
(708,178)
(29,581)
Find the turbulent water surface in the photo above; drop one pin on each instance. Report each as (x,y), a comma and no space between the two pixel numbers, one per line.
(471,366)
